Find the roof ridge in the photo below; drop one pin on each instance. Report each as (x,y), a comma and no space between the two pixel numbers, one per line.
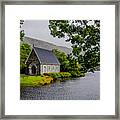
(42,48)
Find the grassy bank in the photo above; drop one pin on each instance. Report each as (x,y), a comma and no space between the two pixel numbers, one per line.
(34,81)
(47,78)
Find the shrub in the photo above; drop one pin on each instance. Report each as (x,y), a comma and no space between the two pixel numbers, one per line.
(59,75)
(65,74)
(77,74)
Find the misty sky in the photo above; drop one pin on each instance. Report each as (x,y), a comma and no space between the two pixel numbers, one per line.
(39,29)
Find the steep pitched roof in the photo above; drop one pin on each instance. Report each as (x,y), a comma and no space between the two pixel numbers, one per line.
(46,56)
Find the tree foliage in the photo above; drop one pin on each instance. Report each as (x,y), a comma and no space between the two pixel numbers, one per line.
(74,67)
(64,63)
(85,38)
(24,52)
(22,34)
(68,63)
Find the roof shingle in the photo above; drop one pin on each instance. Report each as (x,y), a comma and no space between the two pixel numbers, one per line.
(46,56)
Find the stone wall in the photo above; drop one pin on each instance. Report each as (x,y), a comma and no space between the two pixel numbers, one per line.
(50,68)
(33,60)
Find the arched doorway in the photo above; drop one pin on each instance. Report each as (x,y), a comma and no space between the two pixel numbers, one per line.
(33,68)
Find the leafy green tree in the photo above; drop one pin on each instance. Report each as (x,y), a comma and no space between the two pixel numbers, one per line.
(68,63)
(24,52)
(62,57)
(24,49)
(74,67)
(22,34)
(85,38)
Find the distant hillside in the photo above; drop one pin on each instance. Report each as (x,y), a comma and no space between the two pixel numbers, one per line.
(46,45)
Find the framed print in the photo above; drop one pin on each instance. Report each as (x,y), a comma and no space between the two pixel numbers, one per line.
(60,60)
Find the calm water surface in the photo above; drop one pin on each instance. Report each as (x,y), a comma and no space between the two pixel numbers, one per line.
(84,88)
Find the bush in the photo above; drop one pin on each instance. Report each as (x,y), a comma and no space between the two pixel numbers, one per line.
(77,74)
(65,74)
(59,75)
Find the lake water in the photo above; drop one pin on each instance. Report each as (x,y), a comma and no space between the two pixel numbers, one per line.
(84,88)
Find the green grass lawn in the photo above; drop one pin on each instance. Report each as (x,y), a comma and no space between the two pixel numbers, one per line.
(34,81)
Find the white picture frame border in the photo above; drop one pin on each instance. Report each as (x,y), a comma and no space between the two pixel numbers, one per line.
(3,116)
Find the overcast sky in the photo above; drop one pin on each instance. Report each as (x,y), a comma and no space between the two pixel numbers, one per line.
(39,29)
